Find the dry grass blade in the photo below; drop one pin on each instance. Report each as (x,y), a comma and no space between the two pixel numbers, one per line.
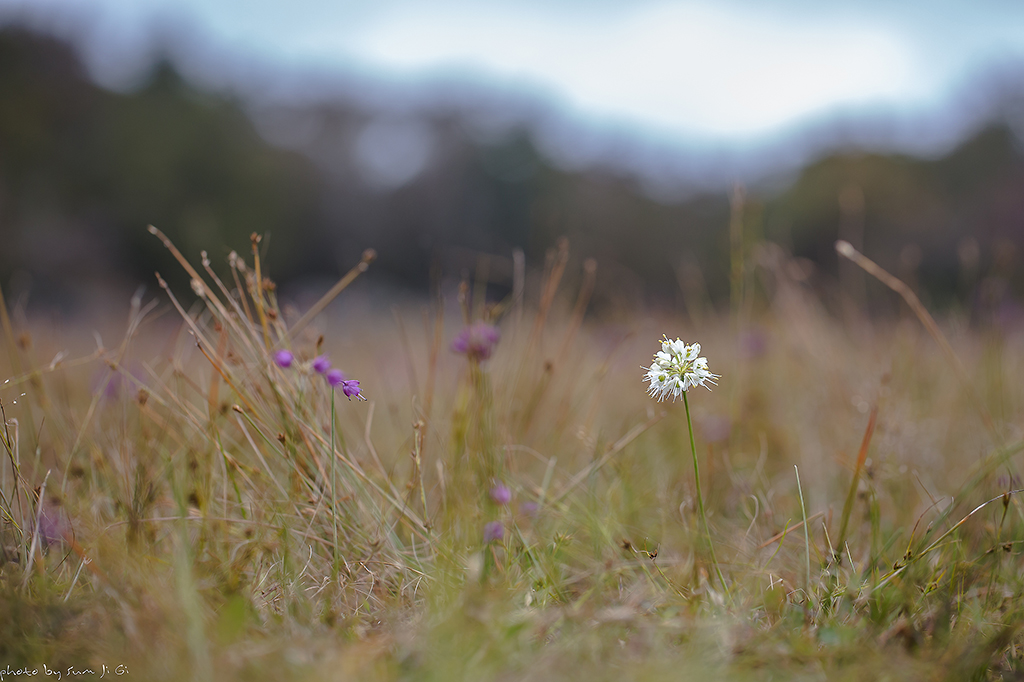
(237,265)
(901,566)
(257,289)
(576,319)
(852,494)
(373,450)
(613,450)
(368,257)
(789,529)
(434,332)
(846,250)
(34,545)
(197,281)
(239,316)
(558,262)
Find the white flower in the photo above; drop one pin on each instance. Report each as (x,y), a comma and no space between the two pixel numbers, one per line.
(676,368)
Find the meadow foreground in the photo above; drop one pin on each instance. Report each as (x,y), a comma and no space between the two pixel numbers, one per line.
(475,491)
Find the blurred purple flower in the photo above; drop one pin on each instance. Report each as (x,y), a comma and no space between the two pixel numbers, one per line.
(1007,482)
(113,386)
(284,358)
(494,531)
(753,344)
(529,508)
(113,382)
(53,524)
(1008,315)
(476,341)
(501,494)
(716,428)
(321,364)
(335,378)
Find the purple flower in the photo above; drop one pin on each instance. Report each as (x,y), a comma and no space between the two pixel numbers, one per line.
(476,341)
(501,494)
(284,358)
(494,531)
(350,387)
(321,364)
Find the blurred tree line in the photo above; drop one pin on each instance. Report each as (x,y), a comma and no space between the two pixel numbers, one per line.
(83,170)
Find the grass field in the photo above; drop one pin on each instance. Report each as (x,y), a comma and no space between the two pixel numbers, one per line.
(180,504)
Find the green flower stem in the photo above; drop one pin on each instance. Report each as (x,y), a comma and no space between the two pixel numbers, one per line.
(807,537)
(700,498)
(334,485)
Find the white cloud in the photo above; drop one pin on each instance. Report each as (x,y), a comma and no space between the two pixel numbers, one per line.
(728,70)
(677,67)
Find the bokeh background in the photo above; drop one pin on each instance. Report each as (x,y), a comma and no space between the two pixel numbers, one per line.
(443,132)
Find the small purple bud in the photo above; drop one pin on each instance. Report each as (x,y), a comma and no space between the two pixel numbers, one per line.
(335,378)
(501,494)
(321,364)
(494,531)
(284,358)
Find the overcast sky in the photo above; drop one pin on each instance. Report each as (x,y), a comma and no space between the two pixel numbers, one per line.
(725,70)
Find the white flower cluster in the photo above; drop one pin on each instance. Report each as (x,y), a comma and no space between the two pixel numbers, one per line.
(676,368)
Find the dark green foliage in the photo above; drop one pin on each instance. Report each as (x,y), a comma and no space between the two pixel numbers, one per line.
(84,170)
